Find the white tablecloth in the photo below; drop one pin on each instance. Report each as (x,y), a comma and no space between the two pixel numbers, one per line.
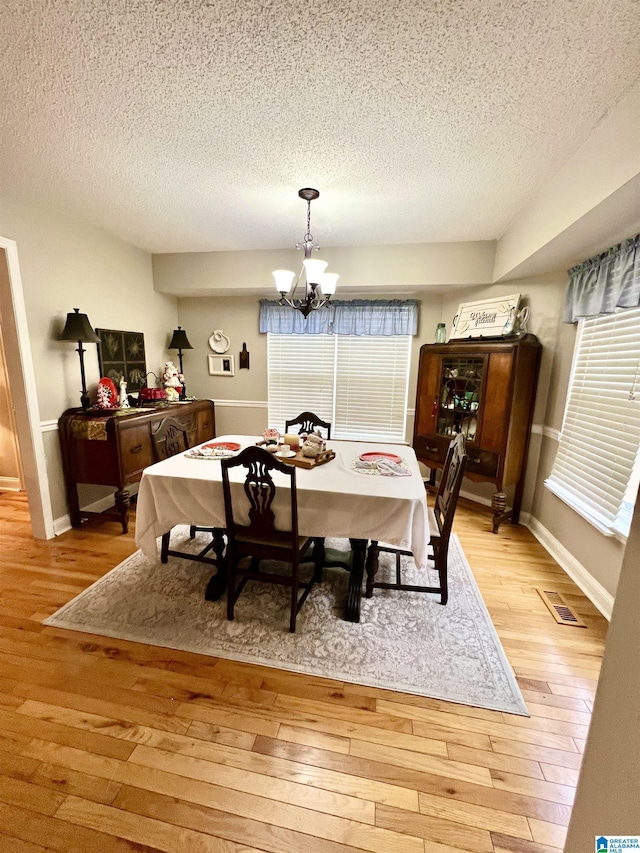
(333,499)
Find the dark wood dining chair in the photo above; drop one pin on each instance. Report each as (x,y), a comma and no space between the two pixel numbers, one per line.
(440,520)
(308,422)
(170,438)
(259,539)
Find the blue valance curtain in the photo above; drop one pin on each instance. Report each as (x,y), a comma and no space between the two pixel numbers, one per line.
(355,317)
(606,282)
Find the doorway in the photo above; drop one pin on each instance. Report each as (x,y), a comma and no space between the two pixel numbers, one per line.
(11,476)
(21,381)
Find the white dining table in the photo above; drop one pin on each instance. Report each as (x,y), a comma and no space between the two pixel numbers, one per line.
(334,500)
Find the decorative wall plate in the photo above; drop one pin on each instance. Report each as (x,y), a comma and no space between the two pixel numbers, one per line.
(219,342)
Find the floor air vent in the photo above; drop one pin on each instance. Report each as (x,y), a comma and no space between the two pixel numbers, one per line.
(559,608)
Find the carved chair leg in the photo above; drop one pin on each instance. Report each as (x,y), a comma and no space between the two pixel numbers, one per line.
(232,594)
(122,502)
(294,600)
(371,567)
(164,555)
(318,555)
(440,559)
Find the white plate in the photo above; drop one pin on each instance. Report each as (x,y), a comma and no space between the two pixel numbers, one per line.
(285,455)
(219,342)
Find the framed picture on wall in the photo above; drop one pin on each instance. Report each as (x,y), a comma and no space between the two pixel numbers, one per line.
(221,365)
(122,354)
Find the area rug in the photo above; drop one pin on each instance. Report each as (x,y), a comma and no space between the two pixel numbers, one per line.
(404,641)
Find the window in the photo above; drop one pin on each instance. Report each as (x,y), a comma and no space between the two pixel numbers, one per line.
(358,383)
(597,466)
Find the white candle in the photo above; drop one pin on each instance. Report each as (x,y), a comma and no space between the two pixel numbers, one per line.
(291,439)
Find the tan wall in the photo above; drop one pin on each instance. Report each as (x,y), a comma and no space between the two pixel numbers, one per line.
(544,295)
(67,264)
(238,319)
(601,556)
(613,745)
(398,270)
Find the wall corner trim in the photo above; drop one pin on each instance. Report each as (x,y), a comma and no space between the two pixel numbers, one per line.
(594,590)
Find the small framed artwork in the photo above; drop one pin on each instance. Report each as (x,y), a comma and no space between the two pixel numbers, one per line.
(487,318)
(122,354)
(221,365)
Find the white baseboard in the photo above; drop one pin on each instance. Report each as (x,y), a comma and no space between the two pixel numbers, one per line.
(478,499)
(62,524)
(594,591)
(10,484)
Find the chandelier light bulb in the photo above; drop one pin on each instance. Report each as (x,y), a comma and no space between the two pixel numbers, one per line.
(314,270)
(328,283)
(284,280)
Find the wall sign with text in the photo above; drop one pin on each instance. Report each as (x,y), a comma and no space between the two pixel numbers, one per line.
(488,318)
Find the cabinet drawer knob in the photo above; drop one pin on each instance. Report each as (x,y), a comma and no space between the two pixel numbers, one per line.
(136,449)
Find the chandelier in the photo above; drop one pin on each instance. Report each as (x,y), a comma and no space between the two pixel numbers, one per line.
(319,286)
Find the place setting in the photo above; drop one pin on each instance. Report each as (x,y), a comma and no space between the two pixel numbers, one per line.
(214,450)
(379,462)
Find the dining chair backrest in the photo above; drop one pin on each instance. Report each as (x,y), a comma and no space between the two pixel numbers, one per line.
(254,499)
(446,497)
(260,492)
(308,422)
(440,523)
(458,444)
(170,438)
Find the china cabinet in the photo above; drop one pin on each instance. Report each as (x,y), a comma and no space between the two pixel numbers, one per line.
(484,390)
(113,447)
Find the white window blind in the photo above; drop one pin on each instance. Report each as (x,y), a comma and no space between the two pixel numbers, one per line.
(301,372)
(358,384)
(598,448)
(371,387)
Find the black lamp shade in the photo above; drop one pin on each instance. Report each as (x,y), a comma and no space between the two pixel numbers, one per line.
(78,328)
(180,340)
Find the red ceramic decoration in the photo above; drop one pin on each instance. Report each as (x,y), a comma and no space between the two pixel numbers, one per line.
(107,394)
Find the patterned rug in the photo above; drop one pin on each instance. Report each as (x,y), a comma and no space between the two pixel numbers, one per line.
(404,641)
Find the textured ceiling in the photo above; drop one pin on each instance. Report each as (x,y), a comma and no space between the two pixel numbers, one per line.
(189,126)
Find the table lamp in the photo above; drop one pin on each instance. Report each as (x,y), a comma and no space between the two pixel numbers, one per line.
(180,341)
(78,328)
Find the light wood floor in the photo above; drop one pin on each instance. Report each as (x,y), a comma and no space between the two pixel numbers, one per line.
(108,745)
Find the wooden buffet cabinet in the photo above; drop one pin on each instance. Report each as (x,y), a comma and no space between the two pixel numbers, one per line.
(484,389)
(112,448)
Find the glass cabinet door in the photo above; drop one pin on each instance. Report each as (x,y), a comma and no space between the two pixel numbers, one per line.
(461,381)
